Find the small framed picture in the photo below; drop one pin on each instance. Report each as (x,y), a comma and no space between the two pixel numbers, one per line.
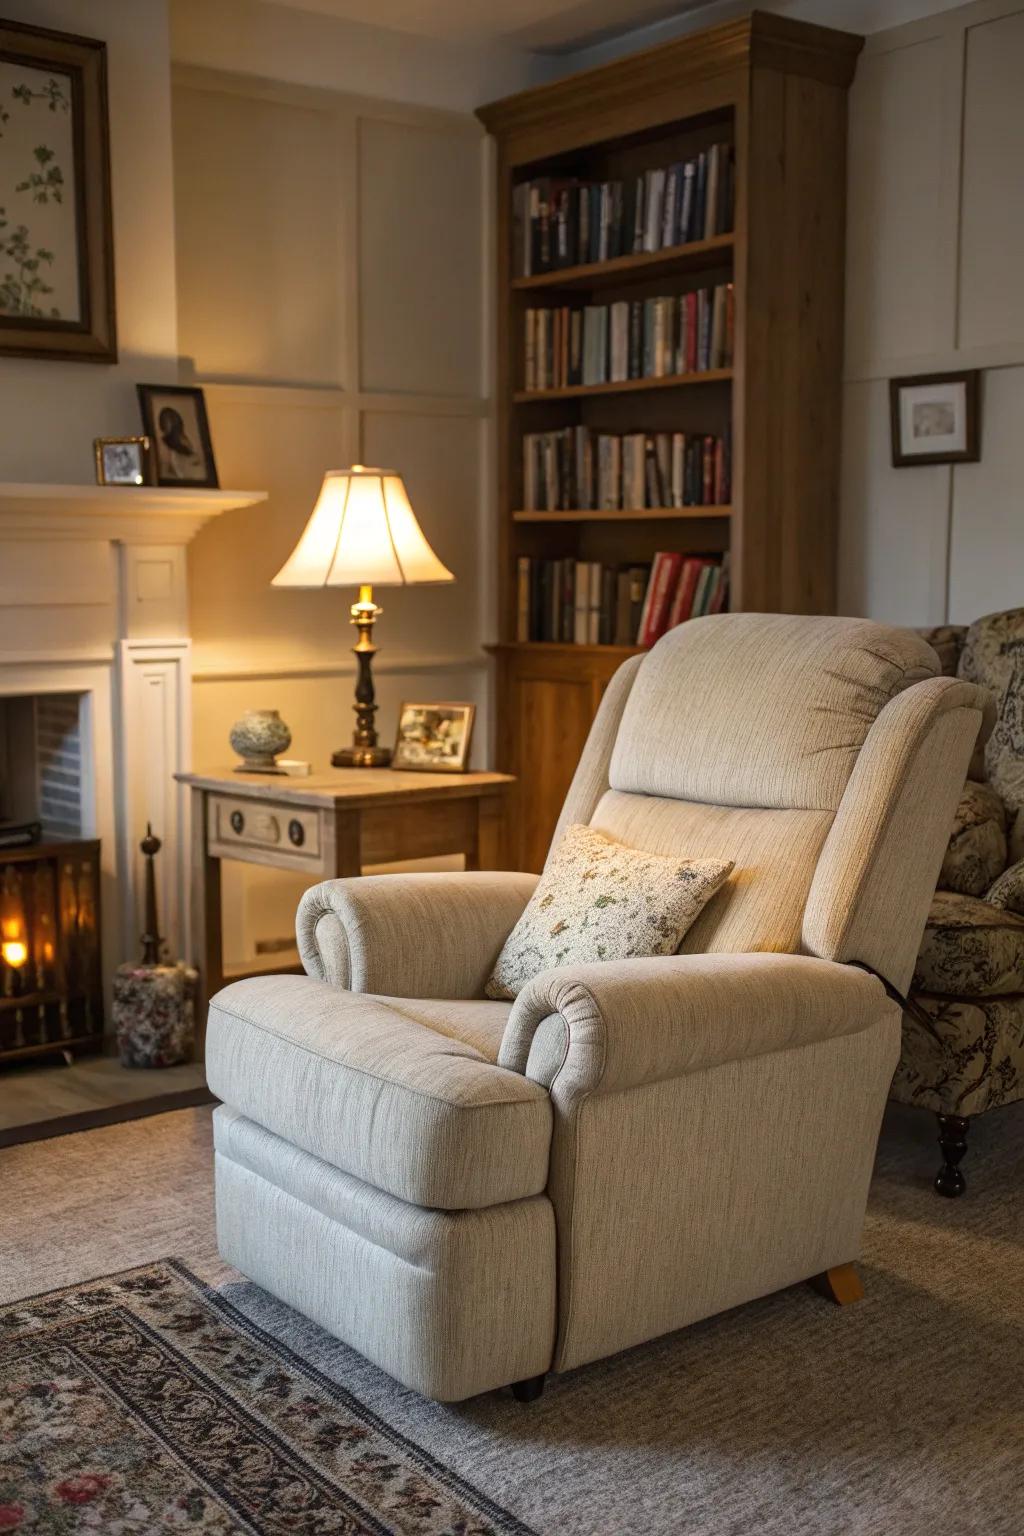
(174,416)
(122,460)
(934,418)
(434,738)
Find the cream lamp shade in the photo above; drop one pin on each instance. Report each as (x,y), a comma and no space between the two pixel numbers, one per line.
(362,531)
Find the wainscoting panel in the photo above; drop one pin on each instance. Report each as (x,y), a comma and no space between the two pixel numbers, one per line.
(992,244)
(259,218)
(898,109)
(420,269)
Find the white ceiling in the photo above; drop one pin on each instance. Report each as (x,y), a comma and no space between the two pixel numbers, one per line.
(531,24)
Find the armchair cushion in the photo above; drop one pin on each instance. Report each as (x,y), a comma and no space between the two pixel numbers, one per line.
(1008,891)
(379,1093)
(969,1059)
(970,949)
(977,848)
(601,1028)
(423,936)
(600,900)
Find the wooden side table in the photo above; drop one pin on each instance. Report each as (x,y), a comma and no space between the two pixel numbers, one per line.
(329,825)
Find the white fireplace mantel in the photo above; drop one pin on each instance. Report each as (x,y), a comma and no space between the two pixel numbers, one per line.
(133,514)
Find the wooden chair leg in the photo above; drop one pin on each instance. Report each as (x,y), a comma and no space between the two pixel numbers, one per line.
(842,1285)
(949,1180)
(529,1391)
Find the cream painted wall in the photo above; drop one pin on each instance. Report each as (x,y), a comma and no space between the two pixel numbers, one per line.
(935,253)
(52,411)
(331,301)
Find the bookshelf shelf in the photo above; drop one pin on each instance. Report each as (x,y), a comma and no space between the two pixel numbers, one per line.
(556,648)
(622,515)
(772,92)
(625,386)
(697,256)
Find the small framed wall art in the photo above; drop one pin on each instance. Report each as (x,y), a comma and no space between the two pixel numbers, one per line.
(174,418)
(56,231)
(434,738)
(934,419)
(122,460)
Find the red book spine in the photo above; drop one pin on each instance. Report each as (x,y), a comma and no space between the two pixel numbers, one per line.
(664,575)
(708,487)
(682,600)
(719,475)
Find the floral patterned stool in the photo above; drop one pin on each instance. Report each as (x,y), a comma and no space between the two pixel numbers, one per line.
(963,1054)
(154,1014)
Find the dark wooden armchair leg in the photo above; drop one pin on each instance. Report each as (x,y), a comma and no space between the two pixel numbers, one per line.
(949,1181)
(529,1391)
(842,1285)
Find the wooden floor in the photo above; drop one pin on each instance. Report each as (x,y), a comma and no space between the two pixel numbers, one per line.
(34,1095)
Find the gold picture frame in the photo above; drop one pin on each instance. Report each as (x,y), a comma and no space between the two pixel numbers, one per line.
(434,738)
(123,467)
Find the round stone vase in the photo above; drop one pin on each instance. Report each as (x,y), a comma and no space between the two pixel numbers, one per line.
(258,738)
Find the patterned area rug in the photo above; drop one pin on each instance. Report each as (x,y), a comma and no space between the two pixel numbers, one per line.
(145,1402)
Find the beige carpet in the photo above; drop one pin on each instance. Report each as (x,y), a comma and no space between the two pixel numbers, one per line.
(86,1205)
(901,1416)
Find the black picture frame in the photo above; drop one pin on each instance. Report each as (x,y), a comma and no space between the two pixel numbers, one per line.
(153,400)
(971,451)
(82,62)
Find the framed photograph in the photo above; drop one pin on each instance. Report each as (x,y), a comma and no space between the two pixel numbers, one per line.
(174,418)
(935,419)
(122,460)
(56,232)
(434,738)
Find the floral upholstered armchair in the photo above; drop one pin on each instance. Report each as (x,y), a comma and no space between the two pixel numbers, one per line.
(963,1047)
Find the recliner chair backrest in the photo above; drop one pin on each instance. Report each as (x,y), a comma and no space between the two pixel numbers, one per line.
(823,755)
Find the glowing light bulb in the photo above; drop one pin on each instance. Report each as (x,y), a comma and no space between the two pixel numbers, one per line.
(14,952)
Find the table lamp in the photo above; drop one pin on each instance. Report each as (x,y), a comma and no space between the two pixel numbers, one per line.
(362,533)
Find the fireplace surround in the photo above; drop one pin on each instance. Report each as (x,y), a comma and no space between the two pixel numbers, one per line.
(95,657)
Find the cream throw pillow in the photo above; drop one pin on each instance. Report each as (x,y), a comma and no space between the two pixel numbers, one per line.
(599,900)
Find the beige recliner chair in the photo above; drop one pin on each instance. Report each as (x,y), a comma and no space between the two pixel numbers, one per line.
(473,1193)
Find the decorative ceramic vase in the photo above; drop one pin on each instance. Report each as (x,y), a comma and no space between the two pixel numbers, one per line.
(258,738)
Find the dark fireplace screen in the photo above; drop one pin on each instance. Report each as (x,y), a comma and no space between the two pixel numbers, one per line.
(51,996)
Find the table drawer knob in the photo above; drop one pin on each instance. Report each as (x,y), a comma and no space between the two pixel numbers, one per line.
(237,822)
(296,832)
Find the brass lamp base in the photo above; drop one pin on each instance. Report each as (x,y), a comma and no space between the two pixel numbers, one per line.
(364,751)
(361,757)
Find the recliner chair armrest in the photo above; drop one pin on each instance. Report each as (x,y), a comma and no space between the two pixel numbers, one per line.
(429,935)
(619,1024)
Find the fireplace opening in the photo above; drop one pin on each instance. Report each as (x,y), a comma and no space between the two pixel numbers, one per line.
(40,767)
(50,975)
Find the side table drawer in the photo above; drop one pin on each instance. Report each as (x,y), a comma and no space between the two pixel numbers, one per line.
(259,824)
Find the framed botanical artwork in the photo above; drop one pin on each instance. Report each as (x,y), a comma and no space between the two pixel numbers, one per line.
(174,419)
(434,738)
(934,418)
(56,233)
(122,460)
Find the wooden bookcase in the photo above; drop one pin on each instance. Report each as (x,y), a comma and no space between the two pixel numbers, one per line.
(776,89)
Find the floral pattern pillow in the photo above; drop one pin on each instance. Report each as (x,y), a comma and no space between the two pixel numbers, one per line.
(599,900)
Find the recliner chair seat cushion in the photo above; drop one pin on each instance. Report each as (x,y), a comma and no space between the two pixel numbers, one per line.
(380,1093)
(970,949)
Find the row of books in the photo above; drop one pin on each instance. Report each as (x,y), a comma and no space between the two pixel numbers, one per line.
(565,222)
(630,339)
(575,469)
(582,602)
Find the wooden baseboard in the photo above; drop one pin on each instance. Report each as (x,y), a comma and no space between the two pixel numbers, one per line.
(109,1114)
